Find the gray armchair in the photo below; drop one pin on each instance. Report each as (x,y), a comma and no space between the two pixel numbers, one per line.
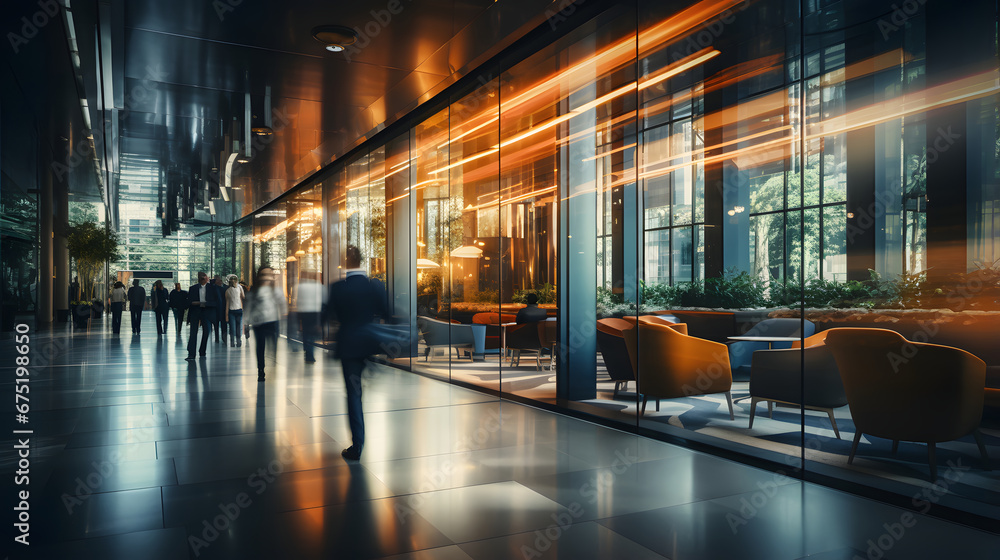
(775,378)
(439,334)
(741,352)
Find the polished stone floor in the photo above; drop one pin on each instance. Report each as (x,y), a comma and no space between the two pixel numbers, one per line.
(136,453)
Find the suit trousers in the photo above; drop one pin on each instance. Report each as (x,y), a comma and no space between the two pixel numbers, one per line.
(353,367)
(199,320)
(116,316)
(136,315)
(263,333)
(179,318)
(162,319)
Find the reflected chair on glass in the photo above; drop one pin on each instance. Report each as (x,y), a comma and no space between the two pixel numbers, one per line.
(535,337)
(494,332)
(672,365)
(439,334)
(775,377)
(741,351)
(667,320)
(614,352)
(909,391)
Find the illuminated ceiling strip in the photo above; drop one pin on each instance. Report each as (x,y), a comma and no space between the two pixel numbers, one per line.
(466,160)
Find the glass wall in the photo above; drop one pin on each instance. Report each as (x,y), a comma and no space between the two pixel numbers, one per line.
(659,216)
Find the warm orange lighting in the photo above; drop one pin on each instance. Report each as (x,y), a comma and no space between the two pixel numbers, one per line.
(681,66)
(609,152)
(464,161)
(468,132)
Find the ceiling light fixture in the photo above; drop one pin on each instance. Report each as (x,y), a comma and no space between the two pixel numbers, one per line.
(335,37)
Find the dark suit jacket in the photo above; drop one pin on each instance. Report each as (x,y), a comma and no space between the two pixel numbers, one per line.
(136,297)
(214,303)
(530,314)
(355,301)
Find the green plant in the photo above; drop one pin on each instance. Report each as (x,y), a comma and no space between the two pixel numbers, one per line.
(732,290)
(546,294)
(91,246)
(658,295)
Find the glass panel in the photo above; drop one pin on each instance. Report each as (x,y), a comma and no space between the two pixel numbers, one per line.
(434,221)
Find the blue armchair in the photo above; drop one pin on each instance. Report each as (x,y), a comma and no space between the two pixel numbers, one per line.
(741,352)
(439,334)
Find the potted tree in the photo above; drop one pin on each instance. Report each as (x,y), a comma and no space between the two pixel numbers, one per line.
(91,245)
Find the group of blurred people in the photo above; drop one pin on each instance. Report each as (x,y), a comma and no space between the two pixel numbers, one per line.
(223,307)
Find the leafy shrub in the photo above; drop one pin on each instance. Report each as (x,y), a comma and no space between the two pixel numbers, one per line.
(546,294)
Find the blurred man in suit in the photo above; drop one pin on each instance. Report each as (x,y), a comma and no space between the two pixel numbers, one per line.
(136,303)
(179,303)
(355,301)
(531,312)
(205,303)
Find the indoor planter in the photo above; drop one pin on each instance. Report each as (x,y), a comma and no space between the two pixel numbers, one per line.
(91,245)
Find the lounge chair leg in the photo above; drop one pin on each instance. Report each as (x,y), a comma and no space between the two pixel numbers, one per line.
(753,410)
(982,448)
(729,401)
(854,447)
(895,446)
(617,385)
(770,409)
(538,361)
(643,412)
(833,421)
(931,461)
(427,353)
(657,405)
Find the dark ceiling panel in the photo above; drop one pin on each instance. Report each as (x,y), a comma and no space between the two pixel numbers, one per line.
(189,64)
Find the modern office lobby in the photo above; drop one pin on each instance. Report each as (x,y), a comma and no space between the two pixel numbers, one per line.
(695,279)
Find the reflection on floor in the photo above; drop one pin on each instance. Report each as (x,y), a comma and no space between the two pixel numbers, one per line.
(139,454)
(771,437)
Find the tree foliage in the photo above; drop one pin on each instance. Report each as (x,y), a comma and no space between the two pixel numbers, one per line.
(91,245)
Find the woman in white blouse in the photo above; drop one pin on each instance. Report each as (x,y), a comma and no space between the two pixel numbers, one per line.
(234,311)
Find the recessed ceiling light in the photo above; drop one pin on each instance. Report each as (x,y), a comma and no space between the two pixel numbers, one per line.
(334,37)
(243,159)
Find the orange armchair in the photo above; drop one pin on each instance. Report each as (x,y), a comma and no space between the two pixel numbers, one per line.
(672,365)
(909,391)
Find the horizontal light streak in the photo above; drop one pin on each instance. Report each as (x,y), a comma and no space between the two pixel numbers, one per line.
(464,161)
(681,66)
(503,202)
(468,132)
(609,152)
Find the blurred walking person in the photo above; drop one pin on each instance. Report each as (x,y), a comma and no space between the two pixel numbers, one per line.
(161,307)
(179,303)
(309,306)
(264,308)
(354,302)
(205,303)
(234,312)
(136,303)
(117,306)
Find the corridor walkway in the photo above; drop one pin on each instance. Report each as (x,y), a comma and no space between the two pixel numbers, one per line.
(136,453)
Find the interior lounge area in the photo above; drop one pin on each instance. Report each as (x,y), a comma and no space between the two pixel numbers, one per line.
(715,209)
(767,231)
